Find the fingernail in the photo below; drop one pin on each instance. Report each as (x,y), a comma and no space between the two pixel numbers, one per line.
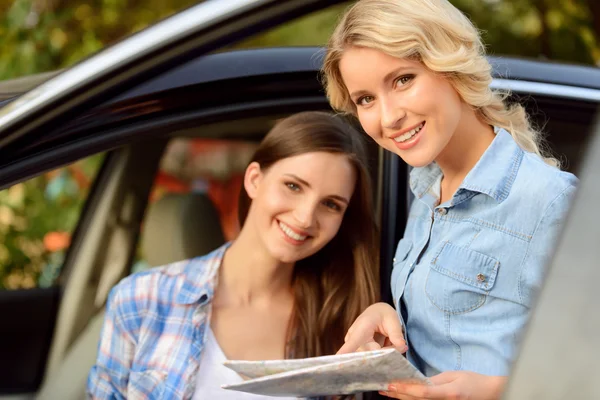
(391,388)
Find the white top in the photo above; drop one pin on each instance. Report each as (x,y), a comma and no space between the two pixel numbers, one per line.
(212,374)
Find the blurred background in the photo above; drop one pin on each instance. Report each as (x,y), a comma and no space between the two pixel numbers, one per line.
(38,216)
(45,35)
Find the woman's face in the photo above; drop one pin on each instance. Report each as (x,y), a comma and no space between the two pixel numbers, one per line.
(402,105)
(299,202)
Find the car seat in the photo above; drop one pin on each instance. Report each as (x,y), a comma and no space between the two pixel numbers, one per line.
(176,227)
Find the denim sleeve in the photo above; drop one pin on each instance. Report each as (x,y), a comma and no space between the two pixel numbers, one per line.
(109,376)
(542,245)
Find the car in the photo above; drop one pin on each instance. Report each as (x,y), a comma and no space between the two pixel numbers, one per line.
(169,119)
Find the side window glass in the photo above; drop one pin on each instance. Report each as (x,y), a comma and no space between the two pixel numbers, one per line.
(310,30)
(192,173)
(37,219)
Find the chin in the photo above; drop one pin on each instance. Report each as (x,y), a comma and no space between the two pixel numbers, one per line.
(285,256)
(418,162)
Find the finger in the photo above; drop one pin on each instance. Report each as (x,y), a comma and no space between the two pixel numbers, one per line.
(379,320)
(392,328)
(359,337)
(350,346)
(349,333)
(370,346)
(388,343)
(395,395)
(434,392)
(443,378)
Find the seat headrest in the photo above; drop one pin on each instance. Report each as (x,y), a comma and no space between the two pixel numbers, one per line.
(179,227)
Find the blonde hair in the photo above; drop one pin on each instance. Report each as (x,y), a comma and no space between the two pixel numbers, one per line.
(443,39)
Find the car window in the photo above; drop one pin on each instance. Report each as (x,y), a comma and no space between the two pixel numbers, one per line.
(37,219)
(196,179)
(311,30)
(567,125)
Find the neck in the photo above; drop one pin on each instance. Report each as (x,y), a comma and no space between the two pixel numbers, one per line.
(251,276)
(469,142)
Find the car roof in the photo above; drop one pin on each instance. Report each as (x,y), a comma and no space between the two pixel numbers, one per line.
(281,60)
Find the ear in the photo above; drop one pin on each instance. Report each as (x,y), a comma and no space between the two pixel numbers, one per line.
(252,179)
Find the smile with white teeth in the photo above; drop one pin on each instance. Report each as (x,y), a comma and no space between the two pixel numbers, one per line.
(290,233)
(409,134)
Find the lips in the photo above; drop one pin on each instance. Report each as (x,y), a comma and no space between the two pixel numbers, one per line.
(409,138)
(408,135)
(292,233)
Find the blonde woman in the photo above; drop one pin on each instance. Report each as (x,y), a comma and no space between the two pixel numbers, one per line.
(489,201)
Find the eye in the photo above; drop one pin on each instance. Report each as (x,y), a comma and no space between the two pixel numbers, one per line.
(332,205)
(404,79)
(364,100)
(292,186)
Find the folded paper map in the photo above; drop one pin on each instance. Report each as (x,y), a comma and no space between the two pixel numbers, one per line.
(328,375)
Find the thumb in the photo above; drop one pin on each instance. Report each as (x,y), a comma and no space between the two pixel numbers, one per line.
(443,378)
(392,329)
(355,341)
(401,348)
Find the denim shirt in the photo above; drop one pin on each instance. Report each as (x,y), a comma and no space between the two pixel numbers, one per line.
(466,271)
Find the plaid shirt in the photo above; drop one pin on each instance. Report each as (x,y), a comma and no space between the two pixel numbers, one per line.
(154,331)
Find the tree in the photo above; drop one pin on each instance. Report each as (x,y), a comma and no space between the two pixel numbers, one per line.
(562,30)
(44,35)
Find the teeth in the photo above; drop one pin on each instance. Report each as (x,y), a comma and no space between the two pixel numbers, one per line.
(409,134)
(289,232)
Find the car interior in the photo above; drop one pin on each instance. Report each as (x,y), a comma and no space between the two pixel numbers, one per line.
(176,227)
(149,206)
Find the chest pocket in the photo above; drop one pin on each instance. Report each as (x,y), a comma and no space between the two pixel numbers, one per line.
(148,385)
(460,279)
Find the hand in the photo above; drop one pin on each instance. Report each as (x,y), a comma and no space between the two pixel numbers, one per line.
(378,326)
(454,385)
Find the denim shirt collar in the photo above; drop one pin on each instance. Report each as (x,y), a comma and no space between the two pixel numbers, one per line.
(201,275)
(493,175)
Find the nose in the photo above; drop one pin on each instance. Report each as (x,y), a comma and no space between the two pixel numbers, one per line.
(392,114)
(305,214)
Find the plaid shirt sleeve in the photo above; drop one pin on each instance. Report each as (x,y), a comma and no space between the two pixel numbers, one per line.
(109,377)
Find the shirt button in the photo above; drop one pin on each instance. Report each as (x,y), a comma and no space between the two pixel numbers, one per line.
(442,211)
(481,277)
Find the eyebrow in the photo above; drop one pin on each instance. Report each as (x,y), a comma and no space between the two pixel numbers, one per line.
(388,77)
(333,196)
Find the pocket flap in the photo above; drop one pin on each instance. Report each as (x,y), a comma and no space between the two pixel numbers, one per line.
(465,265)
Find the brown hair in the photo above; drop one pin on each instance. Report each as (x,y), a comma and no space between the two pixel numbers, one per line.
(333,286)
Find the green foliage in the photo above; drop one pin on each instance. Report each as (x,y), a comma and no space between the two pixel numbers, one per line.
(561,30)
(311,30)
(29,211)
(44,35)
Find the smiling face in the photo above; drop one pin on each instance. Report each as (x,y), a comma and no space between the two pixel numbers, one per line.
(402,105)
(299,202)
